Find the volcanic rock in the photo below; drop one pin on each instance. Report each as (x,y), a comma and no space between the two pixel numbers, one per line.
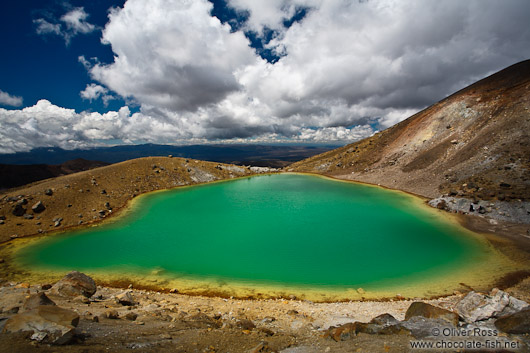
(431,312)
(517,323)
(477,306)
(126,298)
(74,284)
(36,300)
(112,314)
(38,207)
(18,210)
(50,322)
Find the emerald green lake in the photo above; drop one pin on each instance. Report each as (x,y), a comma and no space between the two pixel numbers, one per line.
(278,229)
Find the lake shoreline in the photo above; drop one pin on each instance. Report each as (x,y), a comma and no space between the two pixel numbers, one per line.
(295,322)
(507,248)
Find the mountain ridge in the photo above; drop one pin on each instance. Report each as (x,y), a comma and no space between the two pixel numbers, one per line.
(474,143)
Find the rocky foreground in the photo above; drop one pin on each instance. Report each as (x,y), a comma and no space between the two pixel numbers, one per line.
(76,315)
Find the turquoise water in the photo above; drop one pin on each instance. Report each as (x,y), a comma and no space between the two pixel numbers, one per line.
(284,228)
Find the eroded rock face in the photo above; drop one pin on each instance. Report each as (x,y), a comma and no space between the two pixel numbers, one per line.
(431,312)
(35,300)
(74,284)
(48,323)
(517,323)
(477,306)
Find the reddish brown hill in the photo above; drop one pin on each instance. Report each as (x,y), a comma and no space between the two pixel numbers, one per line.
(473,143)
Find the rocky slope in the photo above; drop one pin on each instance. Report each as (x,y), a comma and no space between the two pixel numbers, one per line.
(90,196)
(473,144)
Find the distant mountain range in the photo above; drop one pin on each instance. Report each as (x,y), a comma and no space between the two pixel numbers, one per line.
(12,175)
(249,154)
(41,163)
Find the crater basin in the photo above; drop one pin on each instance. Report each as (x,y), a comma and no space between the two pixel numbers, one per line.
(275,235)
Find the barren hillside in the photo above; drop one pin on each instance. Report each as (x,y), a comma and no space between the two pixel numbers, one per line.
(475,144)
(89,196)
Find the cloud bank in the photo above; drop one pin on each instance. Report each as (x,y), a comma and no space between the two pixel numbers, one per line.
(346,68)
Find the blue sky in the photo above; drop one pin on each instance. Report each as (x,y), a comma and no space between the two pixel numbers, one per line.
(79,74)
(41,66)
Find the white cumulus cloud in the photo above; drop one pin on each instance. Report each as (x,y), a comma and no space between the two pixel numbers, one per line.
(347,68)
(10,100)
(93,91)
(70,24)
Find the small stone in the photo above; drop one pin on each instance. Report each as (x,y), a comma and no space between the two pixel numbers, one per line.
(266,331)
(48,192)
(38,336)
(18,210)
(112,314)
(95,319)
(28,216)
(126,298)
(261,347)
(38,207)
(82,299)
(268,320)
(174,291)
(131,316)
(246,324)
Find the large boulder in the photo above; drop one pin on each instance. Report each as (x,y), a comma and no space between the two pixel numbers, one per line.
(477,306)
(431,312)
(384,324)
(421,327)
(517,323)
(48,323)
(75,284)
